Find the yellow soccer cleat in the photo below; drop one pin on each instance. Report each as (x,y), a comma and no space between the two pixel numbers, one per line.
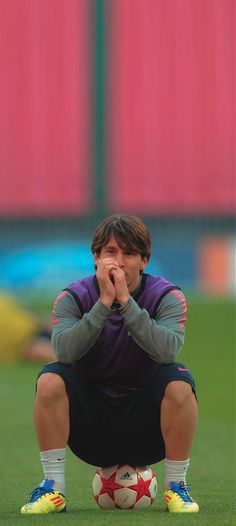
(178,499)
(44,499)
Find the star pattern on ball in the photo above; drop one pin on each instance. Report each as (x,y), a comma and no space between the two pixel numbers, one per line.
(141,488)
(109,486)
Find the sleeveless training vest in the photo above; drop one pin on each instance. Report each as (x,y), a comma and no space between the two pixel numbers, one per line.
(116,361)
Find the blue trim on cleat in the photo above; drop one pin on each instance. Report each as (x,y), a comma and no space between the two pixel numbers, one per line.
(45,499)
(178,499)
(182,491)
(45,487)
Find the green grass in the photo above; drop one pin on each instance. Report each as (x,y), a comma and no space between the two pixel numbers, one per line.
(210,353)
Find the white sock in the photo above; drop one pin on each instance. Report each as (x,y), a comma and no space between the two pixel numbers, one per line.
(53,462)
(175,471)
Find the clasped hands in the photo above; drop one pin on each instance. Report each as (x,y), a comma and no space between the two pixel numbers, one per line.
(112,282)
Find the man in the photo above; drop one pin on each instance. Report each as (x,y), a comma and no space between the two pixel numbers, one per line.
(116,336)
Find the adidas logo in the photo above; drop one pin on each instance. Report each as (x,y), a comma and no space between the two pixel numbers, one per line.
(126,476)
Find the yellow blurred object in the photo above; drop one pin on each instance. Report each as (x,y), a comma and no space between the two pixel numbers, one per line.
(17,328)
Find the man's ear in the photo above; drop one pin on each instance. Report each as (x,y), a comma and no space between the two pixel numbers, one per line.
(95,257)
(144,263)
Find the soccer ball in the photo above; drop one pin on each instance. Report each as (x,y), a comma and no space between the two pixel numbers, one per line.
(124,487)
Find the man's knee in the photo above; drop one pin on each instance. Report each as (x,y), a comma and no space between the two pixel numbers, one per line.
(179,393)
(50,386)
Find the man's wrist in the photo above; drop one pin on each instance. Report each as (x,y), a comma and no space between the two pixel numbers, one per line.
(124,301)
(107,302)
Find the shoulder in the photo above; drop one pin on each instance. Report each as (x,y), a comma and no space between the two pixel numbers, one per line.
(160,286)
(150,280)
(174,299)
(81,283)
(63,301)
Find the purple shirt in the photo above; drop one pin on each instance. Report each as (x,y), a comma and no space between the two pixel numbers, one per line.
(116,361)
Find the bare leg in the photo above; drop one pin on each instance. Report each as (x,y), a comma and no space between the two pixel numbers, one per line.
(51,412)
(178,420)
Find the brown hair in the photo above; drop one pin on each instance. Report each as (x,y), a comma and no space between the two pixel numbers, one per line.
(128,230)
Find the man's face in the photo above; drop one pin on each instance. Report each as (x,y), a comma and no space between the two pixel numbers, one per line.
(130,262)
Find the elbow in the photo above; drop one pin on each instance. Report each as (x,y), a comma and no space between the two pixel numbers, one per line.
(167,359)
(60,352)
(174,347)
(170,354)
(63,359)
(62,355)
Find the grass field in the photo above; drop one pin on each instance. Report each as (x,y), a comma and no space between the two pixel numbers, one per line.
(210,353)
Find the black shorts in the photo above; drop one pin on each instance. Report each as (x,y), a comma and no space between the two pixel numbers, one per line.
(106,431)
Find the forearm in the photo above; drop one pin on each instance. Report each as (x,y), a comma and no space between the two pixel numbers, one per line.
(72,338)
(161,338)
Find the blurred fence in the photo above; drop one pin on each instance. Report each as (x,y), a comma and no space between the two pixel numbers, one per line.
(116,106)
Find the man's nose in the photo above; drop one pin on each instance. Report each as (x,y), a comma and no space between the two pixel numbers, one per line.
(119,259)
